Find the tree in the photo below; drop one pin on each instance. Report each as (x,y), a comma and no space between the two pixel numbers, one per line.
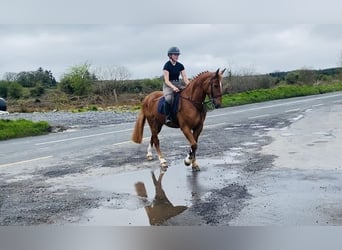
(25,78)
(111,79)
(112,72)
(307,76)
(10,76)
(31,78)
(3,89)
(292,77)
(44,77)
(15,90)
(78,80)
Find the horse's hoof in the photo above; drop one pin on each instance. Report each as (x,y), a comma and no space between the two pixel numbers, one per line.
(163,166)
(149,157)
(163,169)
(187,162)
(163,163)
(195,169)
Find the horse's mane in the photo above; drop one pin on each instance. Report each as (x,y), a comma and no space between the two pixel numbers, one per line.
(199,75)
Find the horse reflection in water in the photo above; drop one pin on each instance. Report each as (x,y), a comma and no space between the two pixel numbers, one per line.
(161,209)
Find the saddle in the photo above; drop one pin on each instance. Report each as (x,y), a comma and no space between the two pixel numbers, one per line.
(174,108)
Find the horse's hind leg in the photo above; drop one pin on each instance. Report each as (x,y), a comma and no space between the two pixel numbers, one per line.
(149,155)
(162,160)
(155,129)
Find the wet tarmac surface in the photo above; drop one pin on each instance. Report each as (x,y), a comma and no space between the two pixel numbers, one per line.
(256,172)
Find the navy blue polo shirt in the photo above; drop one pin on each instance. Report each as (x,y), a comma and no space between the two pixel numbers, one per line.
(174,70)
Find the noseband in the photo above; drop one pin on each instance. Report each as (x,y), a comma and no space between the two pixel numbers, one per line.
(211,96)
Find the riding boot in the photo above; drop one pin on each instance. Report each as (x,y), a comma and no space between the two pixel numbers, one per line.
(167,110)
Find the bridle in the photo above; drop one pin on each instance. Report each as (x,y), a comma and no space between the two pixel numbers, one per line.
(205,91)
(211,96)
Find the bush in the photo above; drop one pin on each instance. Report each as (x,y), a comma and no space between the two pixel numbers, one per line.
(77,81)
(38,90)
(15,90)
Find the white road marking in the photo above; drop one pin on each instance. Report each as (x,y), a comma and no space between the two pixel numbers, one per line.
(317,105)
(120,143)
(82,137)
(292,110)
(124,142)
(26,161)
(258,116)
(216,124)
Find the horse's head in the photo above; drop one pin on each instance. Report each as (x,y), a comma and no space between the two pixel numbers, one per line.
(215,90)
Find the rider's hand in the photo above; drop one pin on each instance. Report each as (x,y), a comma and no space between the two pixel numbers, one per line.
(175,89)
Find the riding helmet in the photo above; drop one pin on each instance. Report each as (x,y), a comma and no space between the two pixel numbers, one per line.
(173,50)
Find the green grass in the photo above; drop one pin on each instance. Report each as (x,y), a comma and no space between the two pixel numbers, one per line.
(280,92)
(21,128)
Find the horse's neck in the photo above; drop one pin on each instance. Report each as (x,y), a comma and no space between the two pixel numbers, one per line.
(195,90)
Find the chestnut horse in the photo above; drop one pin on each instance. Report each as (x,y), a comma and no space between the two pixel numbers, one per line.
(189,118)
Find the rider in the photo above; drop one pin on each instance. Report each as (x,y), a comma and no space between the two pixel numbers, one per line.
(172,69)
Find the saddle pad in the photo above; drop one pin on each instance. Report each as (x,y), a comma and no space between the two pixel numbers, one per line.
(174,107)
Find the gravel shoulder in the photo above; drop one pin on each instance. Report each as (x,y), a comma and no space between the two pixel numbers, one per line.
(67,120)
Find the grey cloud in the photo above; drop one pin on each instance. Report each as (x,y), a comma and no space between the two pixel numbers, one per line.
(142,48)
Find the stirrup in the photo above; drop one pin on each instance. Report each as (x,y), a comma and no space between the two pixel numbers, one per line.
(168,120)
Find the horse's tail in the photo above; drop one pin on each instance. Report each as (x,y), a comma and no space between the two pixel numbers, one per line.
(139,128)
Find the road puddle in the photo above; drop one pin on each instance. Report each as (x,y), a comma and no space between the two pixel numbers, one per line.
(150,196)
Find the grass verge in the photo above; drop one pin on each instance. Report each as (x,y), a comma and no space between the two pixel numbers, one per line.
(280,92)
(20,128)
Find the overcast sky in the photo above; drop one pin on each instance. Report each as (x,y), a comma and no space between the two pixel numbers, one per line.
(142,48)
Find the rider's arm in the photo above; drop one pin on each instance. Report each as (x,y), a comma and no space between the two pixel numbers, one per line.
(184,77)
(167,81)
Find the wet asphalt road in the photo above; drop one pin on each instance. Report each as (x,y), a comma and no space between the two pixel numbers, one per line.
(87,176)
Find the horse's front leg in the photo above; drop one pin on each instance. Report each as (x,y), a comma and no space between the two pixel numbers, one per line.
(196,132)
(191,157)
(191,160)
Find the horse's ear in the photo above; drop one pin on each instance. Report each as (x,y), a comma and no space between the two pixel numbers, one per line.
(223,71)
(217,72)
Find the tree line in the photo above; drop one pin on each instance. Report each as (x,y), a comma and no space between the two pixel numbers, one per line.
(36,81)
(79,80)
(82,80)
